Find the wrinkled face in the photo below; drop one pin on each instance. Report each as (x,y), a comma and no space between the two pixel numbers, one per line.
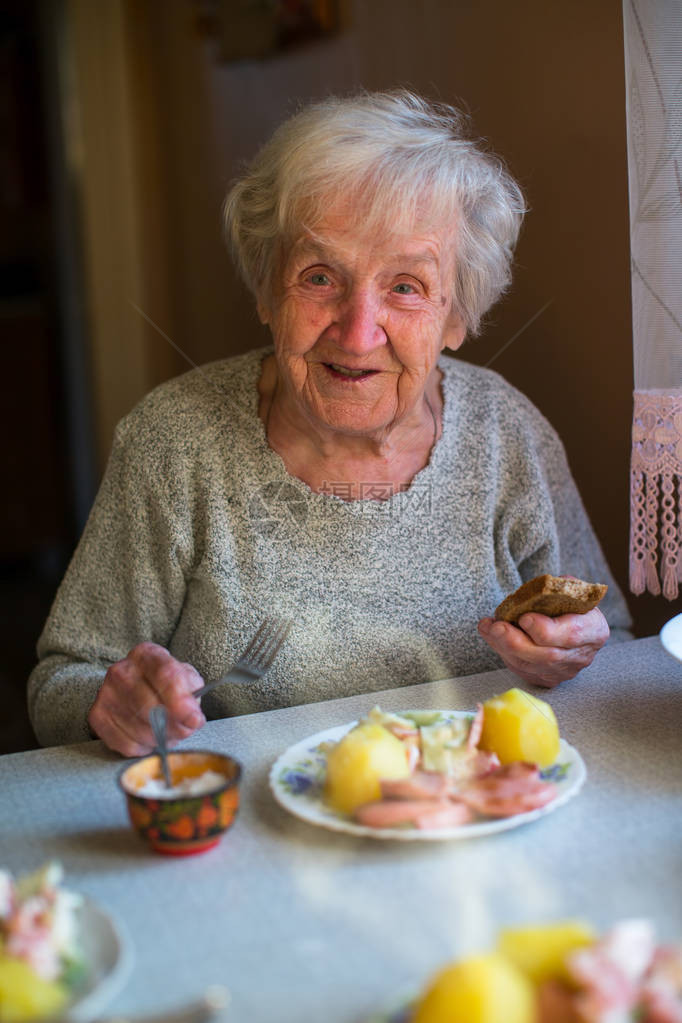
(358,323)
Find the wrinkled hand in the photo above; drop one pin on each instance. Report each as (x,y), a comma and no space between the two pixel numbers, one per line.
(546,651)
(147,676)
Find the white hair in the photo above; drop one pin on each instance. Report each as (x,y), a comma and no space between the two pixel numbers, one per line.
(396,159)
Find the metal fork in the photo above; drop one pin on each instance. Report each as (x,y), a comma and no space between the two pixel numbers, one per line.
(254,662)
(258,656)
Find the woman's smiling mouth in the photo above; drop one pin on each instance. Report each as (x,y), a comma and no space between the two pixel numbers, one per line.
(348,373)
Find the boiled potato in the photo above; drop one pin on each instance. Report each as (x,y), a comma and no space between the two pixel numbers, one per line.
(368,753)
(519,726)
(481,989)
(24,995)
(540,950)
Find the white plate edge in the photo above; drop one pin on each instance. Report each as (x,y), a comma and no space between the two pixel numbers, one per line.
(672,628)
(92,1002)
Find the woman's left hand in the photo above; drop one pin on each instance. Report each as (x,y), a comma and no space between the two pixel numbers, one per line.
(546,651)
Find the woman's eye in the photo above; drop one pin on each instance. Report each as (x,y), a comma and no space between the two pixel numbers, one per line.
(318,278)
(403,288)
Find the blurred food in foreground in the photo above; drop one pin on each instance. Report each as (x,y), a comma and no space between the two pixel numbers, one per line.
(40,957)
(542,950)
(561,973)
(480,989)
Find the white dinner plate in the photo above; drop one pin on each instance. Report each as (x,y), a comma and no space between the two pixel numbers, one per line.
(108,959)
(297,777)
(671,636)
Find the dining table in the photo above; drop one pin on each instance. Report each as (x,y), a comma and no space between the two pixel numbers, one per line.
(304,924)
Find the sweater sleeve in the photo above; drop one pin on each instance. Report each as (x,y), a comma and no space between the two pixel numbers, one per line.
(125,583)
(580,553)
(542,525)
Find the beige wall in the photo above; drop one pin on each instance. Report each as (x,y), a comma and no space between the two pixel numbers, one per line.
(544,83)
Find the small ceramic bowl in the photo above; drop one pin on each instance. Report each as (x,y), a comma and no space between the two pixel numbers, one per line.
(183,824)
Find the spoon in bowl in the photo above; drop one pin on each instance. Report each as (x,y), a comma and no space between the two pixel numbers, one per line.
(157,719)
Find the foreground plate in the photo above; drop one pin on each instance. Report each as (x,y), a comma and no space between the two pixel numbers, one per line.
(108,958)
(297,777)
(400,1009)
(671,636)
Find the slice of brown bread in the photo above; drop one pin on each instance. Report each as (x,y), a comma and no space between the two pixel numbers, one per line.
(550,595)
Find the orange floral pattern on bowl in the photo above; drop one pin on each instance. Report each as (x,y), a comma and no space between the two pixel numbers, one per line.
(184,824)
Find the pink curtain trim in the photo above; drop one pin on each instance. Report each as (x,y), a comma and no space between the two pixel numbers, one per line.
(656,493)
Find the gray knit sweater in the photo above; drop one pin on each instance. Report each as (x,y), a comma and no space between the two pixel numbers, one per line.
(198,531)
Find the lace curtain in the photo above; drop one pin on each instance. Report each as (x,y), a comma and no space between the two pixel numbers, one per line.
(653,67)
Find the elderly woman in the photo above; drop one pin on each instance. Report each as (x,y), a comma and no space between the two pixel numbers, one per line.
(352,478)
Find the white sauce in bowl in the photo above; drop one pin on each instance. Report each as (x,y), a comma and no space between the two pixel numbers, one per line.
(155,788)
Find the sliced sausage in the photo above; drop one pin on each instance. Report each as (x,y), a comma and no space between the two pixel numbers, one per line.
(422,813)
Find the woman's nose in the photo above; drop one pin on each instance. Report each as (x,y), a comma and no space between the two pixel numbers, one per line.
(359,323)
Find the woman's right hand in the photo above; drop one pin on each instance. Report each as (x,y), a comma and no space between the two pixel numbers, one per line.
(131,687)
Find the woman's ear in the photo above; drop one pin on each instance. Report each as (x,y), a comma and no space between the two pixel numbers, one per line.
(454,333)
(263,310)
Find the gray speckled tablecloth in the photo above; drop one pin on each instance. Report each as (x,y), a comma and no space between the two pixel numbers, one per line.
(305,925)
